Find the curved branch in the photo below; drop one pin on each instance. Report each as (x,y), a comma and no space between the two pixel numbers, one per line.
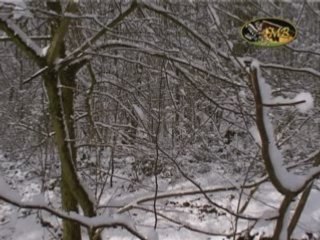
(265,141)
(270,153)
(89,222)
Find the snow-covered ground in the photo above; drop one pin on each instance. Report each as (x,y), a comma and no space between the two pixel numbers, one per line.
(176,202)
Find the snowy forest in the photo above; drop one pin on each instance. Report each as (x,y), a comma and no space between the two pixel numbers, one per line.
(157,120)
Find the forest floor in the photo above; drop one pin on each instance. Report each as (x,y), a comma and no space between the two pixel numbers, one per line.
(189,216)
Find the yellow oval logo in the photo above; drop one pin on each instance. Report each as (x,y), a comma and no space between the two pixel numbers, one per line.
(268,32)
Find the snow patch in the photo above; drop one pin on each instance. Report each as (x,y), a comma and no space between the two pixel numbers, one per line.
(45,50)
(6,192)
(152,234)
(280,99)
(307,105)
(38,200)
(139,111)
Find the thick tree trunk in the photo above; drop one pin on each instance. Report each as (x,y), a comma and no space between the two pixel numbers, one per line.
(71,230)
(61,113)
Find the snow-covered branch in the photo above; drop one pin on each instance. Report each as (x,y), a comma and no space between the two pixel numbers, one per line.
(9,196)
(292,69)
(21,39)
(262,64)
(284,181)
(42,37)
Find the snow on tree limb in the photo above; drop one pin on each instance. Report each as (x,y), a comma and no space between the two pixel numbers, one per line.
(243,60)
(303,102)
(284,181)
(21,39)
(9,196)
(293,69)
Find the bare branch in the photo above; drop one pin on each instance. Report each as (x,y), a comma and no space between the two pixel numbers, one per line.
(283,104)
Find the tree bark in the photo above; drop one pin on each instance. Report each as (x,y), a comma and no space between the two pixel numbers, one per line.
(60,84)
(61,113)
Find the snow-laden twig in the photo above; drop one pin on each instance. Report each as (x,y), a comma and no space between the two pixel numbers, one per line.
(10,196)
(40,37)
(262,64)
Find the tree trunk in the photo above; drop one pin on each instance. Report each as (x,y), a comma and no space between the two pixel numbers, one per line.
(61,113)
(71,230)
